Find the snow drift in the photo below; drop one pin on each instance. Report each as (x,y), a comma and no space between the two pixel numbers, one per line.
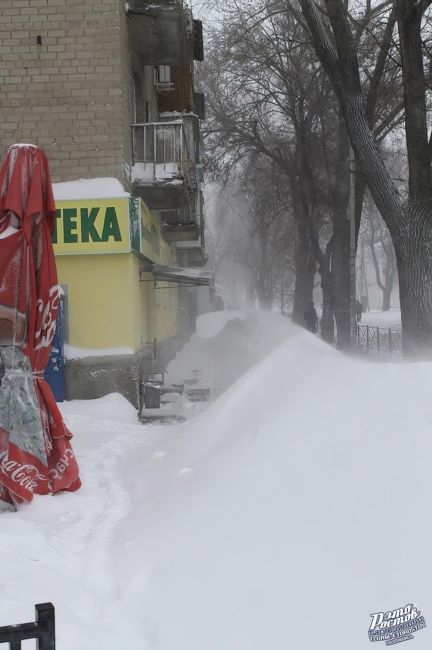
(281,517)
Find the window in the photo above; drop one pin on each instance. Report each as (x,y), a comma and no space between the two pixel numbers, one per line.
(162,75)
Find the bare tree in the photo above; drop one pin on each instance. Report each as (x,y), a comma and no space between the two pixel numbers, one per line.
(267,94)
(252,228)
(264,102)
(410,221)
(270,227)
(376,237)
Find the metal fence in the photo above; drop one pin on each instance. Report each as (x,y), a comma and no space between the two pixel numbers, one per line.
(43,630)
(379,339)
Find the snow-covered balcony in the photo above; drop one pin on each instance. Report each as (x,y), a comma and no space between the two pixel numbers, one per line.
(191,253)
(185,224)
(164,170)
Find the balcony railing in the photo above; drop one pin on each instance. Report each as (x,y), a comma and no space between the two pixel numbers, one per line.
(161,154)
(145,6)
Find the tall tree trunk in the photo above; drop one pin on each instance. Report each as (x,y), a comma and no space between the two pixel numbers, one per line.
(359,195)
(264,286)
(327,325)
(410,224)
(342,294)
(264,290)
(387,292)
(389,275)
(305,265)
(265,300)
(341,258)
(414,263)
(386,284)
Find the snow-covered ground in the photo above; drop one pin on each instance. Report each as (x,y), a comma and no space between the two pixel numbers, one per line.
(377,318)
(281,517)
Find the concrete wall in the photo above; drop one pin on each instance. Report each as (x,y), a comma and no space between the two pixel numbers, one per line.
(127,88)
(71,94)
(94,377)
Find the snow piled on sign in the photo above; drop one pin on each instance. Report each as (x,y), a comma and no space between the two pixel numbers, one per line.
(89,188)
(281,517)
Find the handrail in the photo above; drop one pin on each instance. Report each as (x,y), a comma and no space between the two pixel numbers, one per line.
(167,123)
(43,630)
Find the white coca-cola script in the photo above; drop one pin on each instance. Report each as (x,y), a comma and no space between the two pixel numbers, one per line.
(26,476)
(62,464)
(45,334)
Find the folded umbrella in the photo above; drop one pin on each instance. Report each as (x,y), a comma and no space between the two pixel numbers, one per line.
(36,456)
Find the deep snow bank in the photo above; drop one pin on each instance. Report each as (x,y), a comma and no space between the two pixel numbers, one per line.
(227,344)
(281,517)
(290,510)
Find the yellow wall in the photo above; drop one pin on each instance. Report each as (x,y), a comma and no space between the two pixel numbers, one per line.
(108,306)
(99,290)
(166,309)
(155,308)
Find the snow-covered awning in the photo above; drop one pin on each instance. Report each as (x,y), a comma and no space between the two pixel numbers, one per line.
(89,188)
(179,274)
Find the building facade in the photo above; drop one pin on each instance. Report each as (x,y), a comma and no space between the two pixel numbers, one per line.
(106,88)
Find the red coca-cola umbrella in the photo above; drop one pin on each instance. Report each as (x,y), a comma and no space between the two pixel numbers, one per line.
(36,456)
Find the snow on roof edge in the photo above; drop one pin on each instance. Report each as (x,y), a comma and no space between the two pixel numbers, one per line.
(89,188)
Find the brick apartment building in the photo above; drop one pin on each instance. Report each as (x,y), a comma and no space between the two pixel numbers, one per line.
(106,88)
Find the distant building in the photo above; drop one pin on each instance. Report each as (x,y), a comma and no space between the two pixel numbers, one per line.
(107,89)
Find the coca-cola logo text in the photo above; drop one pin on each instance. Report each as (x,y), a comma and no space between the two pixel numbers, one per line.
(45,334)
(26,476)
(62,465)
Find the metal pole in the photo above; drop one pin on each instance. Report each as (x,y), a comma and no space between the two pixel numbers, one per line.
(390,340)
(145,144)
(367,338)
(181,148)
(154,150)
(353,251)
(378,339)
(365,282)
(45,618)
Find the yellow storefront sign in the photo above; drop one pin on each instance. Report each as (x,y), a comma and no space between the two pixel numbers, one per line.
(153,245)
(92,226)
(151,238)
